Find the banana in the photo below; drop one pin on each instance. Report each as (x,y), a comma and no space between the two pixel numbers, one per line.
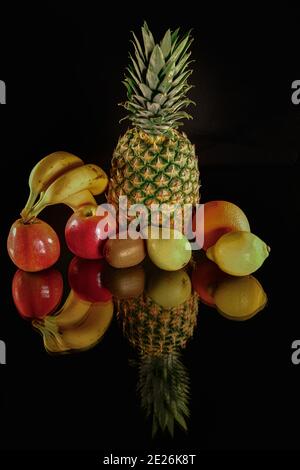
(46,171)
(87,177)
(92,329)
(80,199)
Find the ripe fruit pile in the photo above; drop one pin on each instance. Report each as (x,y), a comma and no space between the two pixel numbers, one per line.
(58,178)
(33,245)
(153,163)
(157,304)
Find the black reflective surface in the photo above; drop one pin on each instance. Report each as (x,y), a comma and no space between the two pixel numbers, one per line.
(243,385)
(244,388)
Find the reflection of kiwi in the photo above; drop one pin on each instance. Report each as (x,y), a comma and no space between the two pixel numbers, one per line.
(240,298)
(124,283)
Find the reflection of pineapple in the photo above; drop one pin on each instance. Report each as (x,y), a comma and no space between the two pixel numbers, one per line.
(154,330)
(158,334)
(154,162)
(164,389)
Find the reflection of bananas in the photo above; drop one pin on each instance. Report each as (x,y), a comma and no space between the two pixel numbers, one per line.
(78,325)
(53,344)
(46,171)
(87,177)
(92,329)
(71,314)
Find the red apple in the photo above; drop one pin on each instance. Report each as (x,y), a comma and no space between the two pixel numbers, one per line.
(85,280)
(37,294)
(33,246)
(86,232)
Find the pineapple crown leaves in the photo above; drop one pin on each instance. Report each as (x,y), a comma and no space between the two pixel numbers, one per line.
(164,389)
(157,81)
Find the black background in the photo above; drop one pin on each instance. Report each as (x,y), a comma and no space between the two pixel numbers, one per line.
(63,68)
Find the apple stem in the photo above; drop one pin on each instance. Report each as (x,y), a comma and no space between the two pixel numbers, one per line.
(27,220)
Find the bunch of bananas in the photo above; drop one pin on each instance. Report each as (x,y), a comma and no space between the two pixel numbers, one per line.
(62,177)
(78,325)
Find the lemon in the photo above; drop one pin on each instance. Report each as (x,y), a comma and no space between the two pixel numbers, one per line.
(170,253)
(240,298)
(239,253)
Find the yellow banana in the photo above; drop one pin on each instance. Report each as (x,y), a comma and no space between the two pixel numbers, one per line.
(46,171)
(92,329)
(79,199)
(87,177)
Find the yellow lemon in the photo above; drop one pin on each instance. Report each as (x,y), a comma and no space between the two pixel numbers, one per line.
(240,298)
(239,253)
(170,250)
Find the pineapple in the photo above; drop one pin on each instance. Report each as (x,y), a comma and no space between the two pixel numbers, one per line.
(153,162)
(158,334)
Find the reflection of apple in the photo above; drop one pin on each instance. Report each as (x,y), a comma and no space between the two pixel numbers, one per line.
(86,232)
(205,278)
(33,246)
(85,279)
(37,294)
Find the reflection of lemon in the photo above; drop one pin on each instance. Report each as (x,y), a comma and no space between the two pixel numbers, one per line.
(169,289)
(239,253)
(240,298)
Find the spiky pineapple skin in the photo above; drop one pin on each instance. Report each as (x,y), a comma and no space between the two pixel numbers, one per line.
(154,330)
(154,169)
